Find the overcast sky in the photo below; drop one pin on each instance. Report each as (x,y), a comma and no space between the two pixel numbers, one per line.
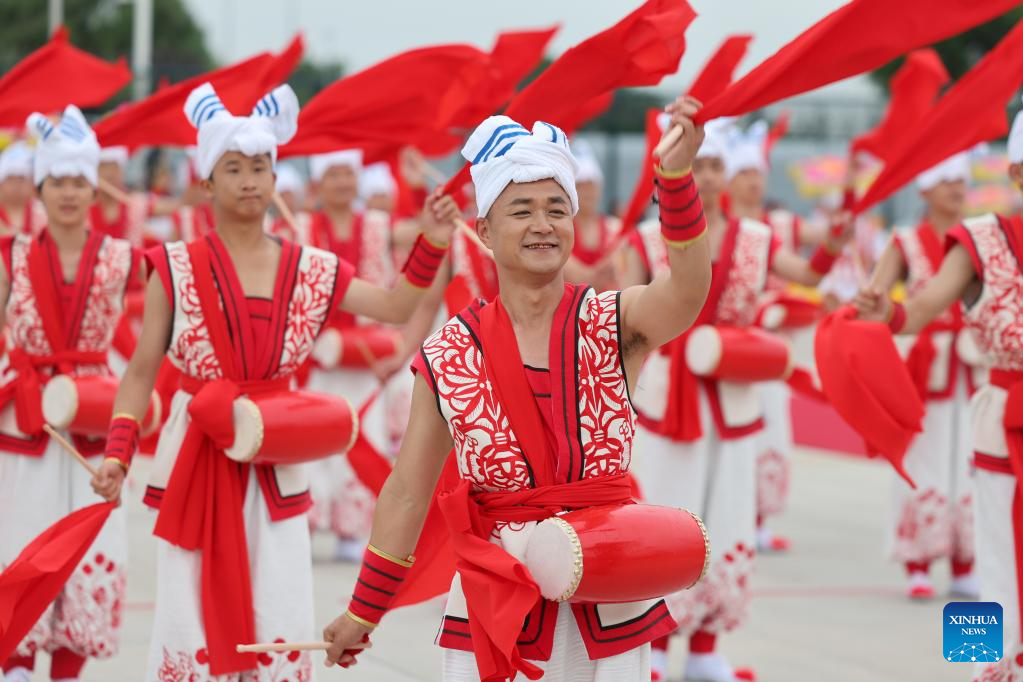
(360,33)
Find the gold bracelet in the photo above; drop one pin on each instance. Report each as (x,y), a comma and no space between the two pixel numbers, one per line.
(361,621)
(685,244)
(406,562)
(672,174)
(119,463)
(442,247)
(125,415)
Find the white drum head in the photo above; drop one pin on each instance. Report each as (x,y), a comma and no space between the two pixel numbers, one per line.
(703,350)
(248,431)
(60,401)
(554,558)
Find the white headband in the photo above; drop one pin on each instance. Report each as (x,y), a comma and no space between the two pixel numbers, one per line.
(376,178)
(273,121)
(289,179)
(16,161)
(319,164)
(118,155)
(746,150)
(502,152)
(953,169)
(67,149)
(589,167)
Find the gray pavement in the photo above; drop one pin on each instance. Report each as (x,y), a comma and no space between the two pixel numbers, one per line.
(831,610)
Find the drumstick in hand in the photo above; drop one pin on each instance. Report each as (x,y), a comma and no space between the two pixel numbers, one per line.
(70,449)
(279,647)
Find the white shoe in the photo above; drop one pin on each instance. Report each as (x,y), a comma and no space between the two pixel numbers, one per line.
(18,675)
(965,586)
(920,586)
(708,668)
(349,550)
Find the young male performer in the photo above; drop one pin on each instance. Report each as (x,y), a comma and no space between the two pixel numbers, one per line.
(237,312)
(983,268)
(62,292)
(934,521)
(532,391)
(698,436)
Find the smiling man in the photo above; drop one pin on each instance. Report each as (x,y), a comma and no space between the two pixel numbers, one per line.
(532,392)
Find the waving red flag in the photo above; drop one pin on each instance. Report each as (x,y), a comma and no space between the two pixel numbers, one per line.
(34,579)
(914,87)
(400,101)
(866,380)
(158,119)
(56,75)
(777,131)
(971,112)
(717,73)
(857,37)
(639,50)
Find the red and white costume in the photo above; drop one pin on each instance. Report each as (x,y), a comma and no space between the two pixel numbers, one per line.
(935,520)
(587,432)
(995,245)
(270,341)
(54,327)
(130,222)
(697,437)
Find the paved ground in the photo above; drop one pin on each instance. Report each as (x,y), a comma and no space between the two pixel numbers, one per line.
(831,610)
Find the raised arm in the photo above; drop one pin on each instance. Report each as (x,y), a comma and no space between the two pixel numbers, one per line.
(954,280)
(653,314)
(810,271)
(395,305)
(402,506)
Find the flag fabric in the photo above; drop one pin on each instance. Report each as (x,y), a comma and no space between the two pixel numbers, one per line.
(971,112)
(157,119)
(34,579)
(857,37)
(914,88)
(56,75)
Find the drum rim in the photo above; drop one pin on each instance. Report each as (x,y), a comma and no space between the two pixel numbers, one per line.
(706,546)
(577,552)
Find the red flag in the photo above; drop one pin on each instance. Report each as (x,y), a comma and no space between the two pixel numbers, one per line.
(159,119)
(34,579)
(644,190)
(914,87)
(55,76)
(777,131)
(866,381)
(857,37)
(404,100)
(972,111)
(717,73)
(639,50)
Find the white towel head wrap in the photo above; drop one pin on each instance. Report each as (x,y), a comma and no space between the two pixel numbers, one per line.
(16,161)
(319,164)
(502,152)
(273,121)
(67,149)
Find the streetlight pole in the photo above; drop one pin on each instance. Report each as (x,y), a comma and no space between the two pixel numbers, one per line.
(141,47)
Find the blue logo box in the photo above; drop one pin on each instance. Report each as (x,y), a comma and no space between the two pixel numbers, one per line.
(973,632)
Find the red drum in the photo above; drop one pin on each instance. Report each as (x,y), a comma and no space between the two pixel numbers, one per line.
(737,354)
(789,312)
(620,553)
(355,346)
(289,427)
(85,405)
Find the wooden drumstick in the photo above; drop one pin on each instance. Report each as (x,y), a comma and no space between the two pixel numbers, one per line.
(279,647)
(282,208)
(669,140)
(116,192)
(432,171)
(70,449)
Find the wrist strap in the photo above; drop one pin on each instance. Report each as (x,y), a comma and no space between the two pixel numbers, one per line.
(681,211)
(822,260)
(381,576)
(897,318)
(424,260)
(122,439)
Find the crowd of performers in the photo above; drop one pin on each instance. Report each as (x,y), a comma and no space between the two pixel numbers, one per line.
(253,343)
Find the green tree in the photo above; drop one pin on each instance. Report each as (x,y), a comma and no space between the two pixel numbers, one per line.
(309,78)
(104,28)
(961,52)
